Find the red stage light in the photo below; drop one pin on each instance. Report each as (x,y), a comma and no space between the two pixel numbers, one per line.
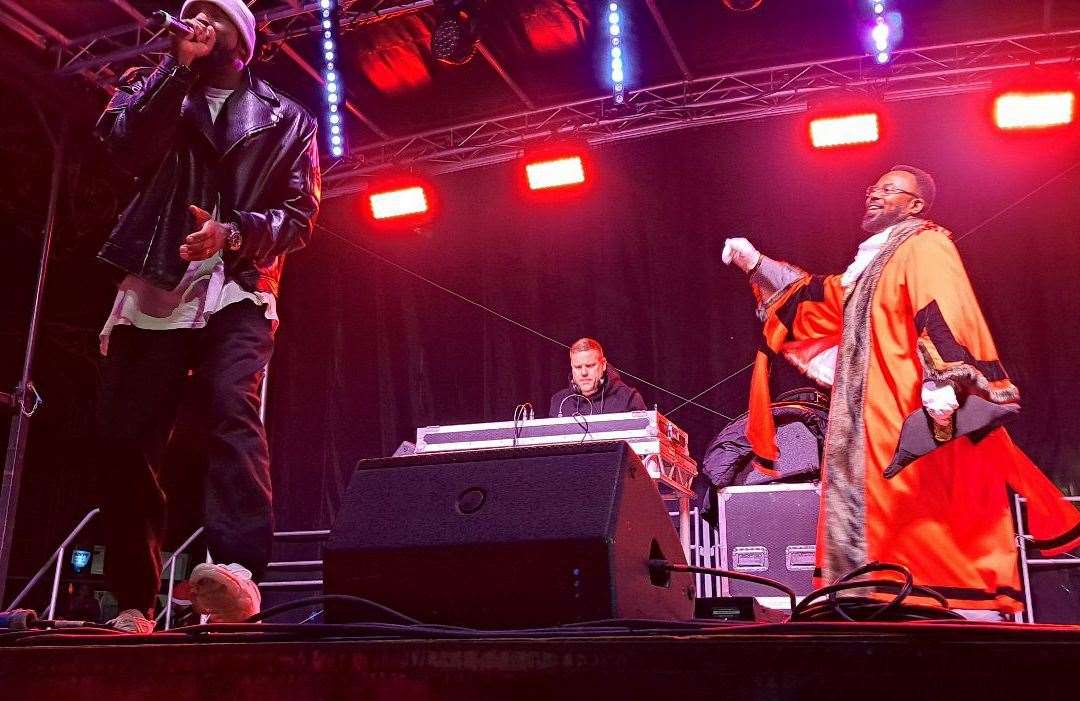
(401,202)
(1034,110)
(557,172)
(845,130)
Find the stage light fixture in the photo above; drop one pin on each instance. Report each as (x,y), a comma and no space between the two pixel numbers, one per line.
(457,32)
(616,53)
(333,85)
(844,130)
(885,29)
(1034,110)
(555,172)
(880,35)
(401,202)
(742,5)
(80,559)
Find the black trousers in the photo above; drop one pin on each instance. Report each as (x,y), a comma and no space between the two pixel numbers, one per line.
(144,380)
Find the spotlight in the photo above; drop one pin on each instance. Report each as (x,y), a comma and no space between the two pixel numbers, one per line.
(457,33)
(883,29)
(742,5)
(1034,110)
(557,172)
(80,559)
(399,201)
(617,60)
(880,35)
(844,130)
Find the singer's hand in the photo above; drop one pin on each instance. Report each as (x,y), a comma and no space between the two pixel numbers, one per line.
(201,44)
(741,253)
(207,239)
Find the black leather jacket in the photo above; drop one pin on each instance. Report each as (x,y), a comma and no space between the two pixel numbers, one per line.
(258,164)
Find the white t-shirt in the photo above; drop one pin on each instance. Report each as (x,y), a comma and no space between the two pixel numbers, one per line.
(202,291)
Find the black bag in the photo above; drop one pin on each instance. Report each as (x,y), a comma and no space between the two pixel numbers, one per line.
(800,416)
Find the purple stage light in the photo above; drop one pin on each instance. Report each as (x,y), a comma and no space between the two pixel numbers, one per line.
(880,34)
(616,54)
(334,88)
(884,29)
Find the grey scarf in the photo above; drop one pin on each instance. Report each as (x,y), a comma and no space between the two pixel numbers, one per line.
(845,442)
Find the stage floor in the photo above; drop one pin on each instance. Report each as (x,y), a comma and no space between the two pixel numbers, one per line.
(740,661)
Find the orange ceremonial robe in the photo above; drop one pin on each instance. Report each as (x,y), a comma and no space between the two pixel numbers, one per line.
(947,515)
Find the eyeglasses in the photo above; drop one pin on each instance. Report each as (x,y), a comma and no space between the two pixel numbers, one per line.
(887,190)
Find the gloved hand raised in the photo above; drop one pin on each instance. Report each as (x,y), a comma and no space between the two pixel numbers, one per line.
(741,253)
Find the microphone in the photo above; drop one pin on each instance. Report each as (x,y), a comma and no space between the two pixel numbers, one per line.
(172,25)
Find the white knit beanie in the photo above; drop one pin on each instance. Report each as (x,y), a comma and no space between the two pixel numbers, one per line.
(241,17)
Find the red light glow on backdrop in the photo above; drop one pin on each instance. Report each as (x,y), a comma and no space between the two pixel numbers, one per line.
(392,55)
(554,28)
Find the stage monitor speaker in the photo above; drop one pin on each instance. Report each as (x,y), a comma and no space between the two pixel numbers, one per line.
(508,538)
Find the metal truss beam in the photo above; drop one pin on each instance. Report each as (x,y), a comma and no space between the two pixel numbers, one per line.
(944,69)
(498,68)
(55,39)
(97,51)
(30,18)
(673,48)
(129,10)
(23,30)
(350,101)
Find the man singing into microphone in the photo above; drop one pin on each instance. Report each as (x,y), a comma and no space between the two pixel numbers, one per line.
(594,387)
(229,184)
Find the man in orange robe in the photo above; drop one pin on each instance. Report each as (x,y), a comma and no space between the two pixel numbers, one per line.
(901,339)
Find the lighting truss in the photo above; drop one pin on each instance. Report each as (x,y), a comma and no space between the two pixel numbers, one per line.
(944,69)
(95,52)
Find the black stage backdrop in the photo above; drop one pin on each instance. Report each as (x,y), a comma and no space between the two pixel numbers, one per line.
(367,353)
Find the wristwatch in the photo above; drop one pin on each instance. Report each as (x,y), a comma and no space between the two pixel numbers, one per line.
(233,240)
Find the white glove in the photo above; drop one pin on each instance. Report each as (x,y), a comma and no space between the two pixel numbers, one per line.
(740,252)
(939,401)
(822,367)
